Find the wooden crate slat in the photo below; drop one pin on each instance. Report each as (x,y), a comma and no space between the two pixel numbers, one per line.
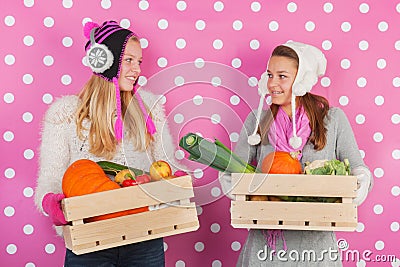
(293,211)
(294,185)
(127,198)
(249,225)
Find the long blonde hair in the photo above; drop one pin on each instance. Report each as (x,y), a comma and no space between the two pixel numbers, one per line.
(98,105)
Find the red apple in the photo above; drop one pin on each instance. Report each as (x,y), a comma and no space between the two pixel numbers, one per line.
(160,169)
(142,179)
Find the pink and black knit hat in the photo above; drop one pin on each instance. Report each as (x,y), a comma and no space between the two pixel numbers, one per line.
(104,53)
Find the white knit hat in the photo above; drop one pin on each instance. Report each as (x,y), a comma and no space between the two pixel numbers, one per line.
(312,64)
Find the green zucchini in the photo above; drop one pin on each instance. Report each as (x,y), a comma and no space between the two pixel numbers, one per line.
(113,168)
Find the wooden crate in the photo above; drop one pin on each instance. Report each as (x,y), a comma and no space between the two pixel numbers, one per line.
(294,215)
(82,237)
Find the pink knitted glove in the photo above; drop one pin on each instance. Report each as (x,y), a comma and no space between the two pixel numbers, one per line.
(52,206)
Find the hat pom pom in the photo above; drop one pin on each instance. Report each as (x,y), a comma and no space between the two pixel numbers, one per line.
(295,142)
(88,28)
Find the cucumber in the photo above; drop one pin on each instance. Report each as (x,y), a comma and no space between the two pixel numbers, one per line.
(113,168)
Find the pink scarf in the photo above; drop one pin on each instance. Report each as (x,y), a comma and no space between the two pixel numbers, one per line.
(279,134)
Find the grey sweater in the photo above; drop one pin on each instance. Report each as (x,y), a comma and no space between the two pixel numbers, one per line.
(340,144)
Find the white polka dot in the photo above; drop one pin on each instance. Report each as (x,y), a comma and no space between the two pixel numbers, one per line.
(255,6)
(165,246)
(394,226)
(28,229)
(199,63)
(379,172)
(67,3)
(216,263)
(180,43)
(345,63)
(28,192)
(396,82)
(360,119)
(236,63)
(395,191)
(27,78)
(8,98)
(163,24)
(50,248)
(143,5)
(11,249)
(48,60)
(125,23)
(234,137)
(378,137)
(8,136)
(344,100)
(180,263)
(235,246)
(396,154)
(215,118)
(291,7)
(218,44)
(363,45)
(85,20)
(216,81)
(9,59)
(237,25)
(326,45)
(215,191)
(218,6)
(346,26)
(328,7)
(378,209)
(383,26)
(9,211)
(254,44)
(360,227)
(379,100)
(162,62)
(379,245)
(30,264)
(48,22)
(325,82)
(310,26)
(361,263)
(27,117)
(398,7)
(215,228)
(179,118)
(142,81)
(198,100)
(29,3)
(144,43)
(381,63)
(66,79)
(395,118)
(29,154)
(268,100)
(106,4)
(200,25)
(47,98)
(199,246)
(234,100)
(9,21)
(273,26)
(361,82)
(28,40)
(67,41)
(179,81)
(179,154)
(199,210)
(252,81)
(364,8)
(9,173)
(181,5)
(198,173)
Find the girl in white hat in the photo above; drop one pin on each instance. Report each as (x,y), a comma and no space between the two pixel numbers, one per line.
(296,121)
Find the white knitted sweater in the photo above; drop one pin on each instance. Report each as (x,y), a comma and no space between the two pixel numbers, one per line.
(60,145)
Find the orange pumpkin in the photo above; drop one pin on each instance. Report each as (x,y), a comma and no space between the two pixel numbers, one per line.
(86,177)
(281,162)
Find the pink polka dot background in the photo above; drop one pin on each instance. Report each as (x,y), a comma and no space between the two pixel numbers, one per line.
(205,58)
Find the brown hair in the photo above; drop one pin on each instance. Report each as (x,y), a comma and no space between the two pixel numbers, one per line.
(315,106)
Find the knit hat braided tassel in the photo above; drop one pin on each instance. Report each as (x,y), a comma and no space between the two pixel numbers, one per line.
(118,127)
